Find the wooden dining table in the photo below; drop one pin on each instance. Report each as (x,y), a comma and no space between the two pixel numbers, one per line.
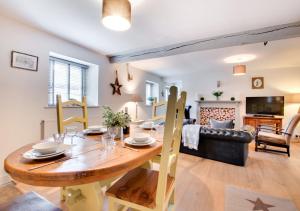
(83,170)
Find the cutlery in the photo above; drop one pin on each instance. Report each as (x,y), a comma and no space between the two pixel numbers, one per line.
(130,148)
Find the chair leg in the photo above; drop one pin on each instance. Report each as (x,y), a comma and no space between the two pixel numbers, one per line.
(256,146)
(111,205)
(288,150)
(63,194)
(172,198)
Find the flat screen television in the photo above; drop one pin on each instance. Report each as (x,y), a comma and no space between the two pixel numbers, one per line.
(272,105)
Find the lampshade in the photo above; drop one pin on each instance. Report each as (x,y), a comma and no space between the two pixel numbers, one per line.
(293,98)
(136,98)
(239,69)
(116,14)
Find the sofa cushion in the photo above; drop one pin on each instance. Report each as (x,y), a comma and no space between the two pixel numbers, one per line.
(226,124)
(271,137)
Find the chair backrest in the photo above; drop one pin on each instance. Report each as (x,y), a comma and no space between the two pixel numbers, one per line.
(291,127)
(171,142)
(61,122)
(159,110)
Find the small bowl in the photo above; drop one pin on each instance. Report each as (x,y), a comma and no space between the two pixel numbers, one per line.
(46,147)
(148,125)
(141,137)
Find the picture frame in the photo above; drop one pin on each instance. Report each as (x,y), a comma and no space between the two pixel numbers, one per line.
(258,83)
(24,61)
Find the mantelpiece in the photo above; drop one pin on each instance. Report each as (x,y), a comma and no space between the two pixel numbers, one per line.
(218,101)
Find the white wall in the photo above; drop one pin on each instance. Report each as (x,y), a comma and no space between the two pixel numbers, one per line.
(277,82)
(23,93)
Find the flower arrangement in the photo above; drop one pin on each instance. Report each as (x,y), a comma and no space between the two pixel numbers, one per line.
(115,119)
(217,94)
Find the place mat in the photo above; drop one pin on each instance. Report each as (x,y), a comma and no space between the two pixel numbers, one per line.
(237,199)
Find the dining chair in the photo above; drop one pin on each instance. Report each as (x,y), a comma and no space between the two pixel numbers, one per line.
(61,122)
(149,190)
(159,111)
(276,137)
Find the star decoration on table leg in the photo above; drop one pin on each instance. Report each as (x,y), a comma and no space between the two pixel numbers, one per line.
(260,205)
(116,86)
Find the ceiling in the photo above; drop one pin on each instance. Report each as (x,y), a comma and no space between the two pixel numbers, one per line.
(277,54)
(155,23)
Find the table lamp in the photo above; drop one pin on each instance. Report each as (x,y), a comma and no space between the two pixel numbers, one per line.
(136,99)
(293,98)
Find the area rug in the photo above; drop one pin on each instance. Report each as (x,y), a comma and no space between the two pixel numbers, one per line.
(238,199)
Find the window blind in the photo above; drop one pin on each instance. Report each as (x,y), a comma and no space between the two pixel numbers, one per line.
(67,79)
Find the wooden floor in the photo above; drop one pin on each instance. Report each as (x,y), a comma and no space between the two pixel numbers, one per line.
(201,183)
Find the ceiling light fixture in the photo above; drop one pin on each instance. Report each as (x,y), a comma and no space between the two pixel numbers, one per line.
(240,58)
(239,69)
(116,14)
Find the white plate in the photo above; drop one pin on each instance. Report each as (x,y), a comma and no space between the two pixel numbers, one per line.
(33,155)
(94,131)
(147,128)
(130,141)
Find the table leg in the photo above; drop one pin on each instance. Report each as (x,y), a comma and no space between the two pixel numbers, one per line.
(84,197)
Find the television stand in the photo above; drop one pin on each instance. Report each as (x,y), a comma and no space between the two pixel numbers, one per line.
(255,121)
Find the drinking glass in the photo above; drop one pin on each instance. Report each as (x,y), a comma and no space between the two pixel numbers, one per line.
(71,131)
(59,137)
(113,131)
(107,142)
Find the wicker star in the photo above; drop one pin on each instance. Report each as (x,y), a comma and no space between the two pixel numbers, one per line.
(116,86)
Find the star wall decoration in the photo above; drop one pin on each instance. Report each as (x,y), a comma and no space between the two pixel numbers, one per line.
(116,86)
(260,205)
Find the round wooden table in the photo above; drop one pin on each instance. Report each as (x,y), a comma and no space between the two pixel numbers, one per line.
(81,170)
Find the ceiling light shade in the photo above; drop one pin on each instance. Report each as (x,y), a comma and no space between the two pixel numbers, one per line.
(116,14)
(239,69)
(240,58)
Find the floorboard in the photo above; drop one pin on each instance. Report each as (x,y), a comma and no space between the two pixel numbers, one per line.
(200,183)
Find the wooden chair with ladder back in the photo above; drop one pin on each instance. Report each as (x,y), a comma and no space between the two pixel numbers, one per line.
(158,111)
(61,122)
(150,190)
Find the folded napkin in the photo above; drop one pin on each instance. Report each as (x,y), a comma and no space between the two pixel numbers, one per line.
(190,136)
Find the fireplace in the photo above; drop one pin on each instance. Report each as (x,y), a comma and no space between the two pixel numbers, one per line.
(218,110)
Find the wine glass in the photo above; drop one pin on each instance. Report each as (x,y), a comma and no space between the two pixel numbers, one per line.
(113,131)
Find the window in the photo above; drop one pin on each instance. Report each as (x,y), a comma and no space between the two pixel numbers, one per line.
(67,79)
(152,92)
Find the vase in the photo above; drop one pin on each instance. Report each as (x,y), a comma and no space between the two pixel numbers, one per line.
(218,98)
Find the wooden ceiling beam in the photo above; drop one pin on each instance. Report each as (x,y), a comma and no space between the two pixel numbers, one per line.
(272,33)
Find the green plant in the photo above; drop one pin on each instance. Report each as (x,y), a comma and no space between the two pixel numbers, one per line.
(217,93)
(115,119)
(151,99)
(232,98)
(202,98)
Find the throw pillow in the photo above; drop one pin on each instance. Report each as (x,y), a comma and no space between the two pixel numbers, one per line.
(226,124)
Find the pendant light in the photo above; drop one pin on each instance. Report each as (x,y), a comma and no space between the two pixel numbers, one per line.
(116,14)
(239,69)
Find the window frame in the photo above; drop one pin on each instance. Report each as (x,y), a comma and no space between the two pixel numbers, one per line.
(84,69)
(153,86)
